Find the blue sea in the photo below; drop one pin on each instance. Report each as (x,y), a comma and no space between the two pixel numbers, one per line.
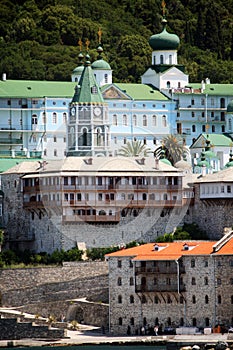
(149,346)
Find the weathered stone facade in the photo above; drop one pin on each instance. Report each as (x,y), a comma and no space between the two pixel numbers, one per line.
(197,293)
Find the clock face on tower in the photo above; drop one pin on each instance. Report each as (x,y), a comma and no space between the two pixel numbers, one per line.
(97,111)
(73,111)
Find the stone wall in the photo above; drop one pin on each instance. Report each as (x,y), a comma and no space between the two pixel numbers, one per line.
(11,329)
(47,291)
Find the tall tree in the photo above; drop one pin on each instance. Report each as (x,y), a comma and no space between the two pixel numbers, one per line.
(134,149)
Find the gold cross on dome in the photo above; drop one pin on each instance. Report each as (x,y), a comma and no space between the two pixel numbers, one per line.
(100,35)
(80,44)
(163,7)
(87,44)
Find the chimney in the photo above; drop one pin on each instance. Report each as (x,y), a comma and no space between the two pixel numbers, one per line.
(156,164)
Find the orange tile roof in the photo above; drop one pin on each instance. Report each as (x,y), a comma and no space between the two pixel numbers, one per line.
(227,248)
(170,251)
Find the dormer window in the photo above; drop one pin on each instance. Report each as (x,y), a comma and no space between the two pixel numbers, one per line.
(185,246)
(156,247)
(94,89)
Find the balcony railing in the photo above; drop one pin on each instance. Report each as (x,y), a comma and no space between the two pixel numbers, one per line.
(141,288)
(11,141)
(159,270)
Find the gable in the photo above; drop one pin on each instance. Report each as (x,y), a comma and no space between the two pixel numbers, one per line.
(112,92)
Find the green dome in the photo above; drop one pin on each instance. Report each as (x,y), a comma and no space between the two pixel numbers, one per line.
(165,161)
(164,40)
(210,154)
(78,70)
(100,64)
(230,107)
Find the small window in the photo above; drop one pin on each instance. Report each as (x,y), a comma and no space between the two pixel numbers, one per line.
(219,281)
(119,282)
(119,299)
(131,282)
(194,299)
(206,299)
(144,301)
(206,282)
(193,282)
(119,264)
(131,299)
(192,263)
(120,321)
(219,299)
(156,299)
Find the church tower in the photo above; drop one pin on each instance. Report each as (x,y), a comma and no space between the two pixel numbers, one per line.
(165,73)
(88,124)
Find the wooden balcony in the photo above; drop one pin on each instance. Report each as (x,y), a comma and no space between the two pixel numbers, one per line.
(91,218)
(171,270)
(141,288)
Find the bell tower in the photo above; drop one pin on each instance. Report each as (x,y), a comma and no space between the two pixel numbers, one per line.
(88,122)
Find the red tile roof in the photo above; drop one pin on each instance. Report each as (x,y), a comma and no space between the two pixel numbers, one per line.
(167,251)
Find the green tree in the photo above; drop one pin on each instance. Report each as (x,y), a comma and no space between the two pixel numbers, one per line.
(173,147)
(134,149)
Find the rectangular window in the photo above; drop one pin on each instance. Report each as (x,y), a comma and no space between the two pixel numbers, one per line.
(228,189)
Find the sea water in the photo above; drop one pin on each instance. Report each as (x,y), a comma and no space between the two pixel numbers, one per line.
(149,346)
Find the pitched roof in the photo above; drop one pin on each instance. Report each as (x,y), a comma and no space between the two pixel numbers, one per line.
(225,175)
(167,251)
(174,250)
(139,91)
(87,90)
(36,89)
(209,89)
(218,140)
(98,165)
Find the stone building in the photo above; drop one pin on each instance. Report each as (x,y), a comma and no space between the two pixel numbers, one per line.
(101,201)
(161,284)
(212,209)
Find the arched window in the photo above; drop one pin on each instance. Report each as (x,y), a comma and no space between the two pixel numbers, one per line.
(134,120)
(194,322)
(125,121)
(84,137)
(144,196)
(194,299)
(154,120)
(131,299)
(114,119)
(170,59)
(219,299)
(193,281)
(120,321)
(54,120)
(168,84)
(119,299)
(64,118)
(206,281)
(193,128)
(207,321)
(132,321)
(164,121)
(213,128)
(222,102)
(206,299)
(193,114)
(156,299)
(144,120)
(106,78)
(223,128)
(119,282)
(161,59)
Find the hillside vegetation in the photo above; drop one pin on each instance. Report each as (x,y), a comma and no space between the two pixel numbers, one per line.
(39,38)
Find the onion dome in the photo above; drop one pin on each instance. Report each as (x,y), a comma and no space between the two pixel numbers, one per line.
(203,161)
(100,63)
(230,107)
(164,40)
(79,69)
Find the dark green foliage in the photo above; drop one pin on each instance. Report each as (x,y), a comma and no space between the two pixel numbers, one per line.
(26,257)
(186,232)
(99,253)
(39,39)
